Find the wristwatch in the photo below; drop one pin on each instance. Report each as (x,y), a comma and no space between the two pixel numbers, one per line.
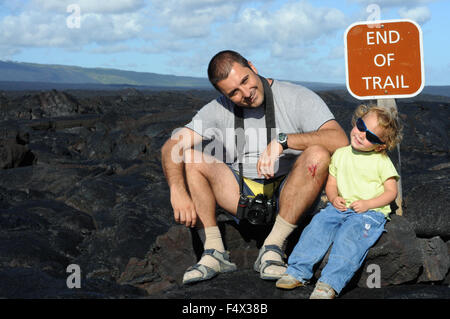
(282,139)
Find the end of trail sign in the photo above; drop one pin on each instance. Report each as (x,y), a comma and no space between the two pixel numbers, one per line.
(384,59)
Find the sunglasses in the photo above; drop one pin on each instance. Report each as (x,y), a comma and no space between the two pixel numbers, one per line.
(372,138)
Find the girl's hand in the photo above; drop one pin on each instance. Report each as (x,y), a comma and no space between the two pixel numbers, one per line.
(360,206)
(339,203)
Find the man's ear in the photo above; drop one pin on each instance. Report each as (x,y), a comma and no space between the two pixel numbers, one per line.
(252,67)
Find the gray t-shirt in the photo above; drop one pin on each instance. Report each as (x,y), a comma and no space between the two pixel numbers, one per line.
(297,110)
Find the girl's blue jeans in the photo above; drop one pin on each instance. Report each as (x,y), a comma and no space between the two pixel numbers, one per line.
(351,233)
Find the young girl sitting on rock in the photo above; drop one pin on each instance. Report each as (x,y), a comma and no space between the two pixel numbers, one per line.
(361,185)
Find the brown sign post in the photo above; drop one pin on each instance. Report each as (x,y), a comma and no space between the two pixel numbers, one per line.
(384,61)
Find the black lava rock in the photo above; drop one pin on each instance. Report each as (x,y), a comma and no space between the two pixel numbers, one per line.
(81,184)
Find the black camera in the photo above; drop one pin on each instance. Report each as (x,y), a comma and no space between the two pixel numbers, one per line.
(258,210)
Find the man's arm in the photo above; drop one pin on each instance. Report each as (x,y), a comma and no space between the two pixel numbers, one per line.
(172,158)
(330,135)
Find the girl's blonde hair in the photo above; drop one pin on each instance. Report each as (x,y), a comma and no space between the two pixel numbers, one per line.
(388,120)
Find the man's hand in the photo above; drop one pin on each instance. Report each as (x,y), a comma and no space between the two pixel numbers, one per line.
(183,207)
(339,203)
(360,206)
(266,162)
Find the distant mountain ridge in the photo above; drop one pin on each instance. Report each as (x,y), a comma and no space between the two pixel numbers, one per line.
(49,73)
(33,76)
(41,76)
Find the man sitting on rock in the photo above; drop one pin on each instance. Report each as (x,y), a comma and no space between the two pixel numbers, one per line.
(293,165)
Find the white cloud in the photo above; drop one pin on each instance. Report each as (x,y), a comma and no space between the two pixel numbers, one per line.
(32,29)
(7,52)
(394,3)
(173,25)
(49,29)
(89,6)
(287,32)
(299,22)
(418,14)
(111,28)
(290,53)
(192,18)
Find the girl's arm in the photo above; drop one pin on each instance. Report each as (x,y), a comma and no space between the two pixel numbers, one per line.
(333,195)
(388,196)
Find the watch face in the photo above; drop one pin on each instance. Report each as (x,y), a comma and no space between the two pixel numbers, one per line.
(282,139)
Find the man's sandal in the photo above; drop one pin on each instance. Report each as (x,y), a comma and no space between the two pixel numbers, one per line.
(205,272)
(261,266)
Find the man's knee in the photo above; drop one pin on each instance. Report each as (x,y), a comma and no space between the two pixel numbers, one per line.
(192,159)
(315,156)
(197,161)
(318,153)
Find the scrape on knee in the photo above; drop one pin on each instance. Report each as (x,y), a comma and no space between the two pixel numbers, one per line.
(313,169)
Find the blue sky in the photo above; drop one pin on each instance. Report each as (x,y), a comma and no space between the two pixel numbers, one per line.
(291,40)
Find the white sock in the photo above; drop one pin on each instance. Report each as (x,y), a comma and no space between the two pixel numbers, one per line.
(213,240)
(280,232)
